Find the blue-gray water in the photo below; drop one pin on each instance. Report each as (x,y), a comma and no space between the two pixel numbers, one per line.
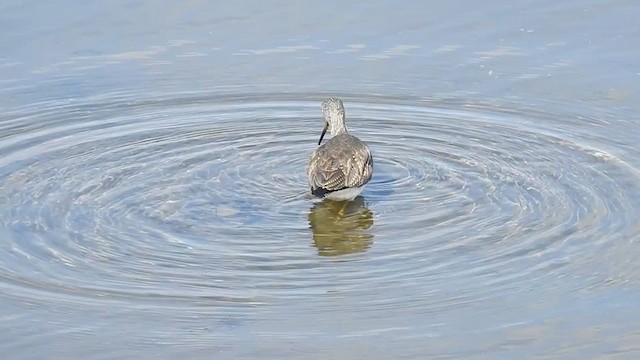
(152,180)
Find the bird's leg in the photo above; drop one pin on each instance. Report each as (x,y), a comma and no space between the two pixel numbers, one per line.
(343,208)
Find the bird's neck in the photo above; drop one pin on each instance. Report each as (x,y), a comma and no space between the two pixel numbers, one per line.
(338,129)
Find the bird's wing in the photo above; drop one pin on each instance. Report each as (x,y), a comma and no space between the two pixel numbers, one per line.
(334,168)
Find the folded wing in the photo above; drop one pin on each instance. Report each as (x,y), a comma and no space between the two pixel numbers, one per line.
(333,168)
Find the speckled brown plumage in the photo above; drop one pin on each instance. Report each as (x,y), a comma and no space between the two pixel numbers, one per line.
(341,163)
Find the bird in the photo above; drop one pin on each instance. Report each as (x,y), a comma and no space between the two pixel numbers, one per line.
(341,167)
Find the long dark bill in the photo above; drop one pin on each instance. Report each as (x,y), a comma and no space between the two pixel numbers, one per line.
(324,131)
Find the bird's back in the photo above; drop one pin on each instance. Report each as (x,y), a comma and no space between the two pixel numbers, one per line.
(342,162)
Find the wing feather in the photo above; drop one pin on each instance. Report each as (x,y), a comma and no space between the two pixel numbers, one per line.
(338,164)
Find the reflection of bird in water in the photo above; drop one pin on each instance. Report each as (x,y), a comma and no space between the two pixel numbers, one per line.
(339,169)
(339,228)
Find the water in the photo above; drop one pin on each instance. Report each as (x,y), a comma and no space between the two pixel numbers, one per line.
(153,190)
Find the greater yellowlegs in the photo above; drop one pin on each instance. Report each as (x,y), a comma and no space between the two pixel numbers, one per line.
(339,169)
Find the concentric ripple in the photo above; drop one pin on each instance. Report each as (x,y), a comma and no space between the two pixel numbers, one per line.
(201,199)
(492,198)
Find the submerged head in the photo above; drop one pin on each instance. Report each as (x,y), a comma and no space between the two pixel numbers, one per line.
(333,111)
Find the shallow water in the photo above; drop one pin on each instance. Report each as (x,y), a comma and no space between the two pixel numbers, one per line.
(153,190)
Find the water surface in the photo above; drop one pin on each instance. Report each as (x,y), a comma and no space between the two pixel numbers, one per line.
(153,190)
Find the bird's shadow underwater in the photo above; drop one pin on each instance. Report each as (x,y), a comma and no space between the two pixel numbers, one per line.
(341,227)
